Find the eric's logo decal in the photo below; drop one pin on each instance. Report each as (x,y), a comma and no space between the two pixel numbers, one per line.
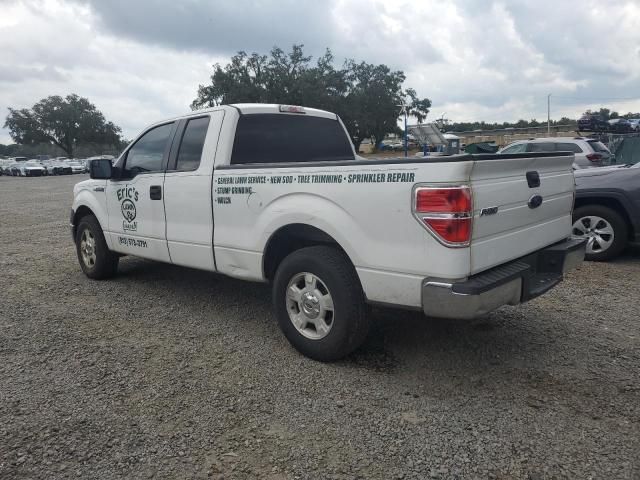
(128,196)
(128,210)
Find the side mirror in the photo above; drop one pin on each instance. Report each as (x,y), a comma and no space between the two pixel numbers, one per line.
(100,169)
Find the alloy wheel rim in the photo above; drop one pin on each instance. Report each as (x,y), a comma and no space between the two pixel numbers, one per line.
(310,306)
(598,232)
(88,248)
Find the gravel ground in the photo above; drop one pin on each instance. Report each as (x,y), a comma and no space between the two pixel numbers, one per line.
(166,372)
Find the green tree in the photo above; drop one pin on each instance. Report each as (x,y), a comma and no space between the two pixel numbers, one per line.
(373,102)
(365,96)
(65,122)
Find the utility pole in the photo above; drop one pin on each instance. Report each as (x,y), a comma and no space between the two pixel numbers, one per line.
(549,115)
(406,138)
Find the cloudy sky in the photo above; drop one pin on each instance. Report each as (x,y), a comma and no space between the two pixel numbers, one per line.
(142,60)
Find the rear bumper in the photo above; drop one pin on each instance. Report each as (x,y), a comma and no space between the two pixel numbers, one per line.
(509,284)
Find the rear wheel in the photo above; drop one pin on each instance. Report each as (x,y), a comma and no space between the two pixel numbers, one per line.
(96,260)
(605,230)
(319,303)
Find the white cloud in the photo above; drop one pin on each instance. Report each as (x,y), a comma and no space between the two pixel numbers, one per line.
(477,60)
(133,84)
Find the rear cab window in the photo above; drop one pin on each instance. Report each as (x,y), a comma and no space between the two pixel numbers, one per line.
(285,138)
(192,144)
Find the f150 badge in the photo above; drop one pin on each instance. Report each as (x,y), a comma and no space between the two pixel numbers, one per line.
(488,211)
(128,196)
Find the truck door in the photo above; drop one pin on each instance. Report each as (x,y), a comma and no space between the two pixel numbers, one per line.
(188,184)
(135,200)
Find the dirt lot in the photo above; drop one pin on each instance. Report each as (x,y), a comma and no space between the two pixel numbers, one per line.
(166,372)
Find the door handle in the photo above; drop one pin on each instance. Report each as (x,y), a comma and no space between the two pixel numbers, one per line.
(155,192)
(533,179)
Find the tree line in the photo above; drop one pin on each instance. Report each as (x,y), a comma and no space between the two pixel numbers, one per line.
(369,99)
(605,113)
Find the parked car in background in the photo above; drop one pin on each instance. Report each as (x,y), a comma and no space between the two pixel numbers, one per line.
(43,164)
(588,151)
(635,124)
(620,125)
(385,146)
(76,167)
(31,168)
(592,123)
(59,168)
(607,210)
(5,166)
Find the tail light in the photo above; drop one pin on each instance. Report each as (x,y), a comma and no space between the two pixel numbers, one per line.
(594,157)
(446,212)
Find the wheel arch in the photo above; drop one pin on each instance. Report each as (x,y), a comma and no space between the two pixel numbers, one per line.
(86,203)
(610,202)
(78,214)
(289,238)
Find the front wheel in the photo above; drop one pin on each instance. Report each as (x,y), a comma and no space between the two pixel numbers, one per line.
(605,230)
(96,260)
(319,303)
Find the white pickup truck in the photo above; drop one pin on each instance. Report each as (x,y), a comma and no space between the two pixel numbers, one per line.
(276,193)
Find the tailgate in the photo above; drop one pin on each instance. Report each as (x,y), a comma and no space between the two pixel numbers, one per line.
(528,216)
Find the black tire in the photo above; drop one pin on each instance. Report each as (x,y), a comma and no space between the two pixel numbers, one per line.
(105,264)
(350,320)
(617,222)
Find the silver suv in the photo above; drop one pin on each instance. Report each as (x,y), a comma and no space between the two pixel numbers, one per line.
(588,152)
